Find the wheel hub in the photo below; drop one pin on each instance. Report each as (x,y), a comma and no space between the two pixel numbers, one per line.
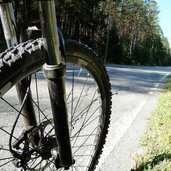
(25,147)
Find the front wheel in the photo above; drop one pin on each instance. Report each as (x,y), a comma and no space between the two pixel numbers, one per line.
(88,98)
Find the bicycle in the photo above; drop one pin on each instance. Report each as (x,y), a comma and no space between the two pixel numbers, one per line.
(56,123)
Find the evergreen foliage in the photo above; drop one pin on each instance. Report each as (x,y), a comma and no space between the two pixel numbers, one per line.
(131,28)
(125,31)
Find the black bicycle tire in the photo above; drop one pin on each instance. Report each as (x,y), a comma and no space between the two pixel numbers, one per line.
(33,56)
(100,74)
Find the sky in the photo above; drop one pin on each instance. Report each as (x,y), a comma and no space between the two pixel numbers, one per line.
(165,17)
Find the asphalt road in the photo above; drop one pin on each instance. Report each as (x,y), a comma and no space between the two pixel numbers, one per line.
(135,94)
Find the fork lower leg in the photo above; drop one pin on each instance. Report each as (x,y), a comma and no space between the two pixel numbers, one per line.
(55,79)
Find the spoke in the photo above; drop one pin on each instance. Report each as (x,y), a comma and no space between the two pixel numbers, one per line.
(48,133)
(10,105)
(85,109)
(86,135)
(72,93)
(33,161)
(52,161)
(92,101)
(87,145)
(83,155)
(86,92)
(90,118)
(14,108)
(7,162)
(3,149)
(77,135)
(50,167)
(12,137)
(84,126)
(7,158)
(35,165)
(37,96)
(78,101)
(85,141)
(47,164)
(45,117)
(86,115)
(8,133)
(78,75)
(37,105)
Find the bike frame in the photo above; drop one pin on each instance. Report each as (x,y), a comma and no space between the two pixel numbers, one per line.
(54,71)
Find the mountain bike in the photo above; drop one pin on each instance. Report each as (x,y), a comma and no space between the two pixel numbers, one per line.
(55,96)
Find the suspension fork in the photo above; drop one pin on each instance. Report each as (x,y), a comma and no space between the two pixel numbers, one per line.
(55,74)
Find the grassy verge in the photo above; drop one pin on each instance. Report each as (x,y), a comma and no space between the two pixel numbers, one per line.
(157,141)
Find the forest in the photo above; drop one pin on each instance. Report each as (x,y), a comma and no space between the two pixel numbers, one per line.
(120,31)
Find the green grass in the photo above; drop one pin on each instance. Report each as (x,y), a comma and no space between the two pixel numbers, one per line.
(156,143)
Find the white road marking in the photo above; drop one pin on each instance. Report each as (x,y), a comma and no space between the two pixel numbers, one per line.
(164,77)
(118,130)
(120,127)
(151,92)
(156,85)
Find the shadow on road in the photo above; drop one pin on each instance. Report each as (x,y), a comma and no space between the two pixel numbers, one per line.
(133,79)
(137,79)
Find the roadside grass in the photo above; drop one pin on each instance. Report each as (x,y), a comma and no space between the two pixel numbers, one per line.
(156,143)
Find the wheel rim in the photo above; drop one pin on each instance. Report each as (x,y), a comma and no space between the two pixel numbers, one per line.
(86,117)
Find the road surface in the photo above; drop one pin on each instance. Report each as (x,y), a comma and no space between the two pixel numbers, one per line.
(135,94)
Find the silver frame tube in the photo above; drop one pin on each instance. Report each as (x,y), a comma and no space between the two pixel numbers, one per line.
(8,23)
(50,34)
